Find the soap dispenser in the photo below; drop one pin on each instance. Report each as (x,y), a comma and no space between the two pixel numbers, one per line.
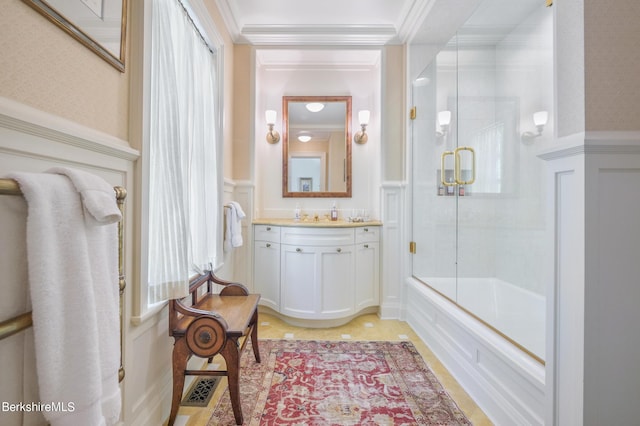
(296,213)
(334,211)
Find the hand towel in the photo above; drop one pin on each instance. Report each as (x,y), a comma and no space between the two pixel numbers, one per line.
(73,274)
(234,226)
(97,195)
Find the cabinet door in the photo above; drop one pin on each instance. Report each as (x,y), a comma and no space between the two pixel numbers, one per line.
(299,281)
(336,281)
(266,280)
(367,275)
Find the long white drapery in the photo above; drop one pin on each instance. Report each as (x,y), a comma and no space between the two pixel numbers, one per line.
(183,181)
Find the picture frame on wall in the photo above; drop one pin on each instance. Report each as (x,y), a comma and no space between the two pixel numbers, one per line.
(98,24)
(306,184)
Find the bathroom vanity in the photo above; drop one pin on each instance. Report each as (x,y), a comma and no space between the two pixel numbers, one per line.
(325,270)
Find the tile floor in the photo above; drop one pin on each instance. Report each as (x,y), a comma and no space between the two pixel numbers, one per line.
(365,327)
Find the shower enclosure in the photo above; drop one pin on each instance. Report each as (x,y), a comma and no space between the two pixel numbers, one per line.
(477,184)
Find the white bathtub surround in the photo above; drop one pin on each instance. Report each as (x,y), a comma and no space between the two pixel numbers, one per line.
(517,313)
(506,382)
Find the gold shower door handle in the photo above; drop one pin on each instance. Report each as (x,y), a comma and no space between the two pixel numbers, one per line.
(458,172)
(442,171)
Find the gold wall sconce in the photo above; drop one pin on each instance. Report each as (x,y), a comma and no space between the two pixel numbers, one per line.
(444,121)
(272,135)
(540,119)
(361,136)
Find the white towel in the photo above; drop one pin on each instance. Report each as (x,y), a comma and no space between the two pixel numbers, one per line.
(73,273)
(234,226)
(97,195)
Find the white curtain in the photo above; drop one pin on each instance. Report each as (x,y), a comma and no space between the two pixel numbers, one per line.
(184,204)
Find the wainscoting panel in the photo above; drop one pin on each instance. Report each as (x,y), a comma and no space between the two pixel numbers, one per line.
(505,382)
(611,290)
(392,254)
(34,141)
(242,264)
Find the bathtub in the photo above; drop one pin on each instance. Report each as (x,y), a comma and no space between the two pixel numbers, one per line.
(517,313)
(507,382)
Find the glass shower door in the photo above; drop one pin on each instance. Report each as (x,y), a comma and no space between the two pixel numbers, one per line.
(478,190)
(434,204)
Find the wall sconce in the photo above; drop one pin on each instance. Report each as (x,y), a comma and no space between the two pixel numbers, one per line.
(361,136)
(272,135)
(444,120)
(540,120)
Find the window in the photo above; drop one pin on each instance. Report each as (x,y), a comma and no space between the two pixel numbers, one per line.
(182,151)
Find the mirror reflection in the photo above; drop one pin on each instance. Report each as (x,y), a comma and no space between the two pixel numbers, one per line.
(316,146)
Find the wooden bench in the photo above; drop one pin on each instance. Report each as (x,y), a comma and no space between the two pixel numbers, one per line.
(213,324)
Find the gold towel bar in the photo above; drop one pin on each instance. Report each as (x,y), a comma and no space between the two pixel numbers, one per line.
(24,321)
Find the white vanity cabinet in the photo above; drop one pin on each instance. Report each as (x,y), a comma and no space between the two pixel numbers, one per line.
(367,255)
(325,273)
(317,268)
(266,264)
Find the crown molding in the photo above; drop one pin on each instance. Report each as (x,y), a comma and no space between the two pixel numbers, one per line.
(337,59)
(413,17)
(409,20)
(229,21)
(318,35)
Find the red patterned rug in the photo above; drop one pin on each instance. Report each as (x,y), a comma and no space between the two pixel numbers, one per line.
(339,383)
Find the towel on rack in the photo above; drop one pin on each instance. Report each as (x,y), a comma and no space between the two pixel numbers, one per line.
(234,227)
(73,271)
(97,195)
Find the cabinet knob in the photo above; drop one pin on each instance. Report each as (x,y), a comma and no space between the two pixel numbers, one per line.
(366,246)
(268,228)
(366,229)
(298,250)
(339,250)
(268,245)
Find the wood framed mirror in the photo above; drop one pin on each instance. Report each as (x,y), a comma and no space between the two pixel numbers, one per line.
(316,146)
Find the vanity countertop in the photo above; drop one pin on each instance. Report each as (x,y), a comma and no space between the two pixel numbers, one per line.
(322,223)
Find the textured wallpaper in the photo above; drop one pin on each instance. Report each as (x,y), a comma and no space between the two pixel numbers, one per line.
(569,44)
(44,67)
(612,59)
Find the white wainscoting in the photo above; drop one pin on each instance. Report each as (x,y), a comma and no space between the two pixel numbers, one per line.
(392,253)
(505,382)
(565,289)
(242,263)
(592,338)
(34,141)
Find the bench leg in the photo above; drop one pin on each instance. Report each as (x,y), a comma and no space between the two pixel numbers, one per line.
(254,337)
(231,355)
(180,357)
